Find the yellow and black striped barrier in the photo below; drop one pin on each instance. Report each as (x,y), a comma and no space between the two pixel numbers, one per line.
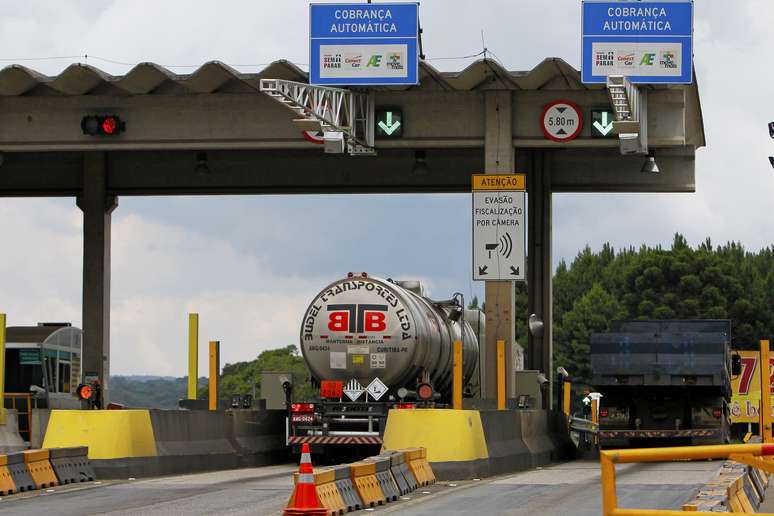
(373,481)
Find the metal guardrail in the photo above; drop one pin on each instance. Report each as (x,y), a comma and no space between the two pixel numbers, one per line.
(25,402)
(749,454)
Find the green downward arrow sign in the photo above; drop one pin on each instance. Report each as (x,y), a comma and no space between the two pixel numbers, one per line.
(604,128)
(389,127)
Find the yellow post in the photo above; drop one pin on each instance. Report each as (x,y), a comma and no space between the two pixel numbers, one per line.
(765,411)
(609,497)
(457,378)
(214,371)
(193,355)
(595,412)
(566,398)
(2,369)
(500,375)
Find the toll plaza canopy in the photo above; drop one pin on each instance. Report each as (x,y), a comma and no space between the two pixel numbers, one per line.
(215,132)
(217,108)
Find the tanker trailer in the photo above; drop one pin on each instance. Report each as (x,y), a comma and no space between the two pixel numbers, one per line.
(373,345)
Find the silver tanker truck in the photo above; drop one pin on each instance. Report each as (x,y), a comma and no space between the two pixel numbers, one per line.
(374,345)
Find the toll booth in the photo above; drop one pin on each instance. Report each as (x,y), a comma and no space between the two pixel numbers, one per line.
(43,366)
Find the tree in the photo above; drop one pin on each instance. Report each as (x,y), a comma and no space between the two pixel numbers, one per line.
(242,377)
(592,312)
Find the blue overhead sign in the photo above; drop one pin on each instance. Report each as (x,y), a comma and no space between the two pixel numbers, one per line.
(363,44)
(648,42)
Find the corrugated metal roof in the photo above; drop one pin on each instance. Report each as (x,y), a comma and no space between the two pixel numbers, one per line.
(214,76)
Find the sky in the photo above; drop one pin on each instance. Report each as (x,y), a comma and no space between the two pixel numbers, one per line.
(250,265)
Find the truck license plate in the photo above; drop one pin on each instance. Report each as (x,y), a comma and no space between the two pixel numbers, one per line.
(302,418)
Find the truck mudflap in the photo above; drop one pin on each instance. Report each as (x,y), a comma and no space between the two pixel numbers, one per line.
(329,439)
(635,434)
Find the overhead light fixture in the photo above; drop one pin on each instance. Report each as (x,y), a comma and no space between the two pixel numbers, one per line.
(202,164)
(650,166)
(420,164)
(535,325)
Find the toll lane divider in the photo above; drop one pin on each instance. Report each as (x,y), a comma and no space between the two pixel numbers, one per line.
(36,469)
(72,465)
(737,488)
(373,481)
(463,444)
(141,443)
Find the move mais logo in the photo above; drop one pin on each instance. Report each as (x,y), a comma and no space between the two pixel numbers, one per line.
(668,60)
(395,61)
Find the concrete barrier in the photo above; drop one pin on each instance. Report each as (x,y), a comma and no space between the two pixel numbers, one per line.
(454,439)
(108,434)
(10,440)
(507,451)
(258,436)
(534,433)
(142,443)
(463,444)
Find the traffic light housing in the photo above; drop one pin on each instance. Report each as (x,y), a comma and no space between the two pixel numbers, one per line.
(102,125)
(91,393)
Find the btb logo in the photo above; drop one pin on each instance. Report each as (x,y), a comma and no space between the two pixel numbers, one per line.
(357,318)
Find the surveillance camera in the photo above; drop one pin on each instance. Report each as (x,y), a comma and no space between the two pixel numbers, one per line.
(562,371)
(541,379)
(39,391)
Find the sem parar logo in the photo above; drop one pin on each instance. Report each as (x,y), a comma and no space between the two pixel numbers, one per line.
(357,318)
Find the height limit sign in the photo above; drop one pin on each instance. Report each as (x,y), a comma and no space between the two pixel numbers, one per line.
(499,227)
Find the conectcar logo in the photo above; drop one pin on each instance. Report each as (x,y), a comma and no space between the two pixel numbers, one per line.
(357,318)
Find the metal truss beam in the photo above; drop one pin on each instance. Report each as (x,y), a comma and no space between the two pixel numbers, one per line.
(332,109)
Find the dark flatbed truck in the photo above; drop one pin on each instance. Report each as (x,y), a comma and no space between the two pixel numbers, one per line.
(663,383)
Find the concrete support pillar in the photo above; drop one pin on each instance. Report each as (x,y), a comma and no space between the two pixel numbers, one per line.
(97,207)
(539,266)
(500,296)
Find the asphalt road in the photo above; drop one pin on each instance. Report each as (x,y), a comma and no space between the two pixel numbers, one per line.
(245,491)
(570,489)
(564,489)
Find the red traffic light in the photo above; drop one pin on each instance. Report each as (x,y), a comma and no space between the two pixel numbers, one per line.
(85,391)
(102,125)
(425,391)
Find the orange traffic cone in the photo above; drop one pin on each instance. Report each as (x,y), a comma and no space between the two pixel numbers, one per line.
(304,498)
